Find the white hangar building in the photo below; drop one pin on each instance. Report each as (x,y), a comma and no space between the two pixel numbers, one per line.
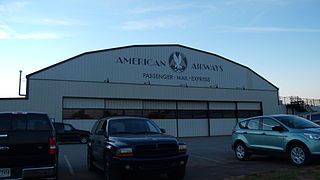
(186,91)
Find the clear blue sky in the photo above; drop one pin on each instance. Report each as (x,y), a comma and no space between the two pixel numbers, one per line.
(278,39)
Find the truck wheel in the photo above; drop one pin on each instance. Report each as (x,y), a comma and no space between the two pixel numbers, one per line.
(177,174)
(84,139)
(241,152)
(299,155)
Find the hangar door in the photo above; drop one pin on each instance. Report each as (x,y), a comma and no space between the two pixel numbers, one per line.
(223,116)
(163,113)
(179,118)
(82,112)
(192,119)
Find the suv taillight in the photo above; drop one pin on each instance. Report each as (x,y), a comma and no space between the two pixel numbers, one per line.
(234,131)
(52,145)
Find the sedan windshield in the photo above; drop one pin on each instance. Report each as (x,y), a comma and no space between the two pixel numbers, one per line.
(132,126)
(297,122)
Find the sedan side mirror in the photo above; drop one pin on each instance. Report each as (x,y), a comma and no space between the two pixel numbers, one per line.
(278,128)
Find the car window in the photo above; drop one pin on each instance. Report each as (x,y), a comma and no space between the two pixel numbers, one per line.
(132,126)
(93,129)
(117,127)
(19,122)
(151,127)
(59,128)
(243,124)
(5,122)
(101,126)
(268,124)
(297,122)
(38,122)
(253,124)
(67,127)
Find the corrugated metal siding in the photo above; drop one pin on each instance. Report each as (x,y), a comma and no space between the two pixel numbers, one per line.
(221,126)
(123,104)
(193,127)
(40,101)
(248,106)
(222,105)
(170,125)
(159,104)
(83,103)
(101,67)
(192,105)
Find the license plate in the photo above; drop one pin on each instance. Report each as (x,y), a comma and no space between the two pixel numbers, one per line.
(5,172)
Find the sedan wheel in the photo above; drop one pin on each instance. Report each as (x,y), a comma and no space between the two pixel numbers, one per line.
(241,152)
(299,155)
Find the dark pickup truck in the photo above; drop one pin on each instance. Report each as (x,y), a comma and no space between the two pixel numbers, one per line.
(27,146)
(120,145)
(67,133)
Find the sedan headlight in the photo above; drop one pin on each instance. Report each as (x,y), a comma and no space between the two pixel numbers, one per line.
(312,136)
(182,148)
(124,152)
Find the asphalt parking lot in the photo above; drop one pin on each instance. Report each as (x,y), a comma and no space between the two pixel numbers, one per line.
(209,158)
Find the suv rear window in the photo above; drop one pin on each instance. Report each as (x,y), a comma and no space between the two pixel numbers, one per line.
(31,121)
(38,122)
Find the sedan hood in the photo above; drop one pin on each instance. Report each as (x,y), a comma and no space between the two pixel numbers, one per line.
(313,130)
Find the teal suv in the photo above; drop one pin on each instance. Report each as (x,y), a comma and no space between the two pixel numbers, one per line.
(291,135)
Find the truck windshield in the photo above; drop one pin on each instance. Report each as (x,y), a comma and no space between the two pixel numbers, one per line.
(297,122)
(132,126)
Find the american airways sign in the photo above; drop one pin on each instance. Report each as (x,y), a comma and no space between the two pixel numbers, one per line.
(181,68)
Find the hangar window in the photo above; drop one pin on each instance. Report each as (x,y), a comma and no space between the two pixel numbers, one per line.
(184,114)
(112,112)
(168,114)
(73,113)
(132,112)
(152,114)
(222,113)
(190,114)
(94,113)
(200,114)
(82,113)
(249,113)
(159,114)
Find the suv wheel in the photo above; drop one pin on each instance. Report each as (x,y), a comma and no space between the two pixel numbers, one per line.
(299,155)
(84,139)
(241,152)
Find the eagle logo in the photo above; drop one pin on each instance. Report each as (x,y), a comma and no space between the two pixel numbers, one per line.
(178,62)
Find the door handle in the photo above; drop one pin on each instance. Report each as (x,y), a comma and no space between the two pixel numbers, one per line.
(245,133)
(263,134)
